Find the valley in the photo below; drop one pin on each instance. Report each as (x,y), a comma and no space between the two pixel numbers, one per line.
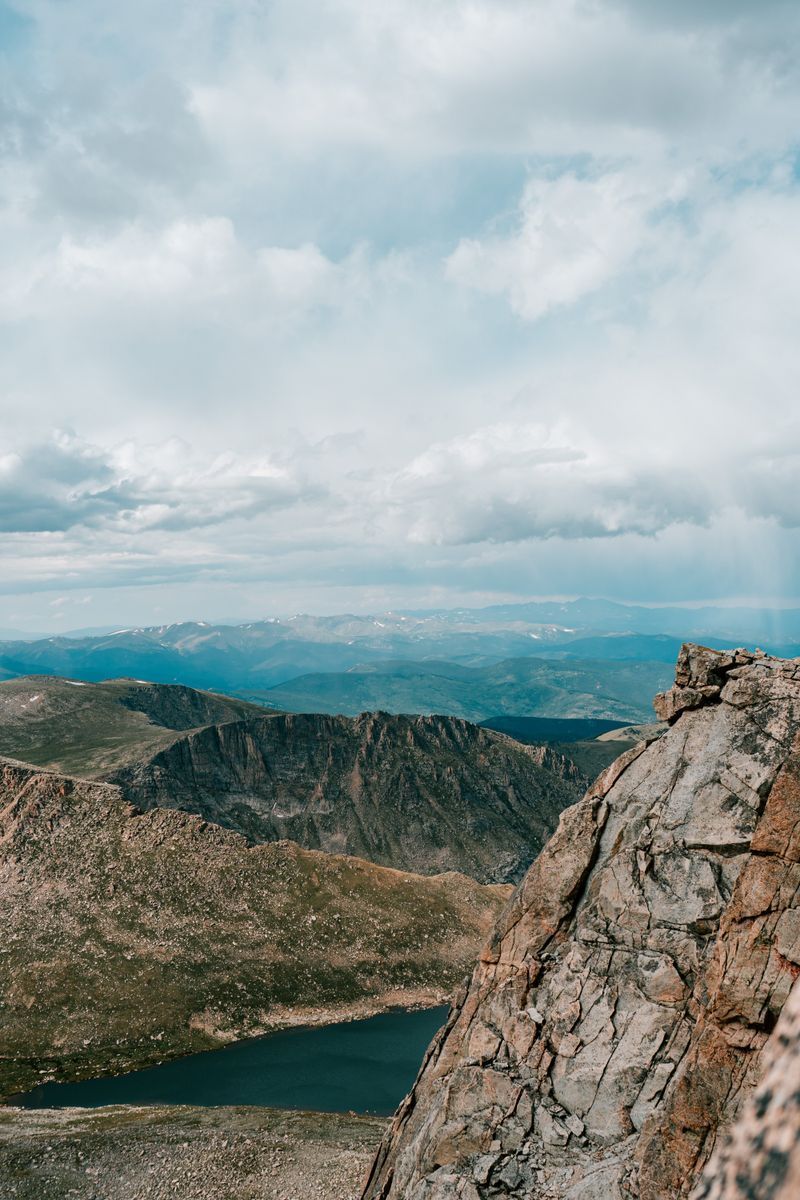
(131,937)
(399,600)
(531,687)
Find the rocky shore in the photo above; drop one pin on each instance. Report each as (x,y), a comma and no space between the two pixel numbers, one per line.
(180,1153)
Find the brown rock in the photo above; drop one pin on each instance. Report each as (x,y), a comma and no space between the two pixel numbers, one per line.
(759,1158)
(633,979)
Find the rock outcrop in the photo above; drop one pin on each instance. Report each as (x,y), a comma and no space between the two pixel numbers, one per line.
(759,1158)
(127,937)
(618,1016)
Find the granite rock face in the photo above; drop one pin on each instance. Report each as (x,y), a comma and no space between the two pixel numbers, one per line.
(617,1018)
(759,1158)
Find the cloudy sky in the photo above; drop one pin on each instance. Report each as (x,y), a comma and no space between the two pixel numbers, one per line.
(336,304)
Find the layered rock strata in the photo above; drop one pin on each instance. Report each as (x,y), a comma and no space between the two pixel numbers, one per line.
(618,1015)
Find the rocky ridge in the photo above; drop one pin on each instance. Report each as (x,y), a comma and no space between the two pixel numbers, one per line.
(423,794)
(619,1014)
(427,794)
(129,937)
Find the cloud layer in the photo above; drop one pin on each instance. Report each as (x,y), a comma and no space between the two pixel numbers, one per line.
(472,298)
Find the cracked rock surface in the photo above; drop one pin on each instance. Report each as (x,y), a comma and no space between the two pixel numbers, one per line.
(617,1019)
(760,1156)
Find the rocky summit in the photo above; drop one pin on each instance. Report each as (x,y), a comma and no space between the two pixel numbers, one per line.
(625,1006)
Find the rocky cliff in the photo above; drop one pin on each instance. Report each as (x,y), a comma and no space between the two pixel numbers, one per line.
(128,937)
(759,1157)
(425,794)
(618,1016)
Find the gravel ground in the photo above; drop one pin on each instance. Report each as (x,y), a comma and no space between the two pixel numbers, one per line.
(182,1153)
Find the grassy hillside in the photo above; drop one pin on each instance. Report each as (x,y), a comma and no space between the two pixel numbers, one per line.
(92,729)
(527,687)
(131,937)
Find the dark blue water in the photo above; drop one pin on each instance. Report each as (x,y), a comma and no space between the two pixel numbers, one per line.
(361,1066)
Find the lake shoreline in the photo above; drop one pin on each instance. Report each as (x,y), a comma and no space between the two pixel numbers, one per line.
(361,1066)
(210,1038)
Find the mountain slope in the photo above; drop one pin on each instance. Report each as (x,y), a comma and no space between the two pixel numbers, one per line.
(618,1014)
(90,729)
(426,794)
(421,793)
(129,937)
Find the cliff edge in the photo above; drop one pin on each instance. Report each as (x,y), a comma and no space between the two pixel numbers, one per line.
(617,1020)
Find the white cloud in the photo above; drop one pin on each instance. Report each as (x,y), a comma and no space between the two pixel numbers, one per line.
(64,484)
(184,256)
(192,261)
(516,483)
(558,76)
(525,483)
(573,235)
(408,293)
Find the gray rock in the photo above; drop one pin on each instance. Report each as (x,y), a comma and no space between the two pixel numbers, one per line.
(636,972)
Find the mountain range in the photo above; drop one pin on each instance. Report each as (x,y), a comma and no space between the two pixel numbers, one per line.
(529,687)
(263,654)
(633,990)
(425,794)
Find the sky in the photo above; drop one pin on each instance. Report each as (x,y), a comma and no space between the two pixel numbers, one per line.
(331,305)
